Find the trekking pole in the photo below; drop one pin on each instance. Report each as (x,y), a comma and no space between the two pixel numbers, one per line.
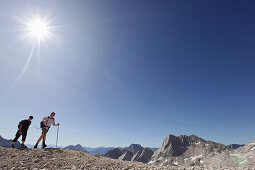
(57,138)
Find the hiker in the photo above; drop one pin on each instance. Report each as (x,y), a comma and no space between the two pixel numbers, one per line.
(22,130)
(45,125)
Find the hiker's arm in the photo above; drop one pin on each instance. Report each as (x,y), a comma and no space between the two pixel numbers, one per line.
(56,124)
(20,129)
(28,127)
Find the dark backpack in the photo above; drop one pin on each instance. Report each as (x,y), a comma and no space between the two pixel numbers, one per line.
(42,125)
(20,123)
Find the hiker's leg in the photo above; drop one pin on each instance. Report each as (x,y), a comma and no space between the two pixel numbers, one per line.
(16,138)
(45,130)
(39,140)
(44,137)
(41,137)
(24,135)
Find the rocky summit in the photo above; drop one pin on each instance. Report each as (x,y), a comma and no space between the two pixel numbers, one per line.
(134,147)
(185,150)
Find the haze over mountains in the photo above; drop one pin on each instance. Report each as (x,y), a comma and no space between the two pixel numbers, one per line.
(98,150)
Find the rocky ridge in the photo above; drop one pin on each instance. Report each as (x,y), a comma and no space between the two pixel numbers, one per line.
(134,152)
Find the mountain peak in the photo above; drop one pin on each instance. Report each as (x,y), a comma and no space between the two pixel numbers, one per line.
(134,147)
(77,147)
(183,147)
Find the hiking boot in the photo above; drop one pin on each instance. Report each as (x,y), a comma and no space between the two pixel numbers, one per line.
(36,145)
(22,146)
(12,145)
(44,145)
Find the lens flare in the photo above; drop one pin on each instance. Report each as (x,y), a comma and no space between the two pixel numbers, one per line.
(38,28)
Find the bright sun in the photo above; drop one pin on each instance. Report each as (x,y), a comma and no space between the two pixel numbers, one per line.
(38,28)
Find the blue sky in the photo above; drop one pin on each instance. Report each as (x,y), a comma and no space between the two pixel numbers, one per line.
(131,71)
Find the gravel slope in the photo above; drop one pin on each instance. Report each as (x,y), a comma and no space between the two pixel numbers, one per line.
(69,159)
(61,159)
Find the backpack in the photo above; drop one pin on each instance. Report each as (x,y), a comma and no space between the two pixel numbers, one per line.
(20,123)
(42,124)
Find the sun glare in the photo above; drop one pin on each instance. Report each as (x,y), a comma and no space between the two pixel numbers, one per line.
(38,29)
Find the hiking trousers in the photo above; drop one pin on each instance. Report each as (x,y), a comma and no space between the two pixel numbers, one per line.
(23,133)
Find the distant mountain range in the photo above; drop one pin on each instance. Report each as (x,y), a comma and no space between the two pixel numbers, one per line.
(7,143)
(99,150)
(135,152)
(235,146)
(104,150)
(77,147)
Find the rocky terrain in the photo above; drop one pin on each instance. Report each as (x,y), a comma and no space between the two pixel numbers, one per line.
(62,159)
(69,159)
(134,152)
(243,157)
(187,151)
(177,152)
(77,147)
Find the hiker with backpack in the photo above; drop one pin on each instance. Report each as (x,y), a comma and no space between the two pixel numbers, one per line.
(22,130)
(45,126)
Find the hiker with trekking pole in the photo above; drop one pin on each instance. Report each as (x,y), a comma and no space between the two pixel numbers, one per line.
(22,130)
(45,126)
